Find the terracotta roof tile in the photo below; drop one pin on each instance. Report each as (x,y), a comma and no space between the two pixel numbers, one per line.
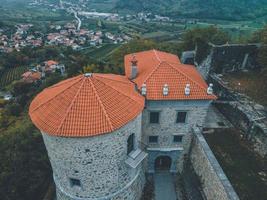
(86,106)
(156,68)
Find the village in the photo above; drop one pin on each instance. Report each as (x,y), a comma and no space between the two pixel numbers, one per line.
(67,35)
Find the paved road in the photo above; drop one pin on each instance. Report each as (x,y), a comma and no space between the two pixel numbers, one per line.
(164,186)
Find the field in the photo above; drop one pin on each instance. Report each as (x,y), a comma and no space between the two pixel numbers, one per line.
(11,75)
(99,53)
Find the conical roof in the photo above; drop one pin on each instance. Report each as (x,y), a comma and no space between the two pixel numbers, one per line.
(86,105)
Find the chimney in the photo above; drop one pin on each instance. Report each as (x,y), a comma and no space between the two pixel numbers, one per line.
(165,90)
(187,89)
(210,89)
(134,68)
(143,89)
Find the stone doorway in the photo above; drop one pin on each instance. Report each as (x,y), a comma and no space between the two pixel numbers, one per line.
(163,163)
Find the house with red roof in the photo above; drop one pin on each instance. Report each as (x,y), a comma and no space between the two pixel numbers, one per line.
(51,66)
(103,132)
(31,76)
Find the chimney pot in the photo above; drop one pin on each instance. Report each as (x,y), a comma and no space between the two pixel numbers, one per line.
(143,89)
(165,90)
(187,89)
(210,89)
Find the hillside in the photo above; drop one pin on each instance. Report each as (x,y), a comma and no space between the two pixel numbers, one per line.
(217,9)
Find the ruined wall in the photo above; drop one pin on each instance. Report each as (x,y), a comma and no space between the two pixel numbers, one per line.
(234,57)
(229,58)
(214,182)
(243,113)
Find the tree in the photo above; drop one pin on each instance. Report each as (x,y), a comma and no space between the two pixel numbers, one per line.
(25,168)
(14,109)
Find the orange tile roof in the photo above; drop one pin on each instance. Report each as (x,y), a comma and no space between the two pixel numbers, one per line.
(86,106)
(156,68)
(31,77)
(51,62)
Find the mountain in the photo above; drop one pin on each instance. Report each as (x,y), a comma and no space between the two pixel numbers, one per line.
(217,9)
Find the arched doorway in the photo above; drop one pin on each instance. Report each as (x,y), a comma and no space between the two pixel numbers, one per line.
(163,163)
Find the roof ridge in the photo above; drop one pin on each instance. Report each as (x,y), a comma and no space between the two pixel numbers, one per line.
(157,56)
(152,72)
(55,95)
(64,81)
(186,76)
(101,104)
(71,104)
(119,91)
(124,82)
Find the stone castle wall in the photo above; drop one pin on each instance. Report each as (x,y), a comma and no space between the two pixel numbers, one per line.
(98,162)
(243,113)
(229,58)
(167,128)
(214,182)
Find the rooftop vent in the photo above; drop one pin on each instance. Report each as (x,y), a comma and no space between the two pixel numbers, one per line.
(210,89)
(88,74)
(134,68)
(143,89)
(187,89)
(165,90)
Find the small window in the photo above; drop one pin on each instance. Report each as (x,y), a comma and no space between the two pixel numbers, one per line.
(153,139)
(75,182)
(130,143)
(181,117)
(177,138)
(154,117)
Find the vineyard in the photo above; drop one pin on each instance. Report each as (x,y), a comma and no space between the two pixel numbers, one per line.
(9,75)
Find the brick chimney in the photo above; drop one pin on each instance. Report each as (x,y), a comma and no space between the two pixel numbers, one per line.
(134,68)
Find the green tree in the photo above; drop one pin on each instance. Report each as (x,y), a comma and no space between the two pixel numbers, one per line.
(25,169)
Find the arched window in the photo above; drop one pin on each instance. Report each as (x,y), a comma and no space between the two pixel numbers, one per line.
(130,143)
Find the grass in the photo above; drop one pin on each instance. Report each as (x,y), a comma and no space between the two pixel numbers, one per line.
(245,169)
(252,83)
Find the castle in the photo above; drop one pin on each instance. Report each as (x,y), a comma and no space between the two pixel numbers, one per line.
(103,132)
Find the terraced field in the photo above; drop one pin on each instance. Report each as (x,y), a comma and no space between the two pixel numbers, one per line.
(11,75)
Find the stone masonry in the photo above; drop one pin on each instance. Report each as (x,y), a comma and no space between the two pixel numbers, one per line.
(167,128)
(98,162)
(214,182)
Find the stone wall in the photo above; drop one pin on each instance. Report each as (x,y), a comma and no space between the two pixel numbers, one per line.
(229,58)
(98,162)
(167,128)
(214,182)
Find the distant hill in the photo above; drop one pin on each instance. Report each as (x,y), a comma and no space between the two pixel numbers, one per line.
(217,9)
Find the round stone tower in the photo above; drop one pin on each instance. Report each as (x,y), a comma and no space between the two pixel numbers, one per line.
(91,126)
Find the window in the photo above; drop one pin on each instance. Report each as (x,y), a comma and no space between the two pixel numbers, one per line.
(154,117)
(75,182)
(181,117)
(130,143)
(153,139)
(177,138)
